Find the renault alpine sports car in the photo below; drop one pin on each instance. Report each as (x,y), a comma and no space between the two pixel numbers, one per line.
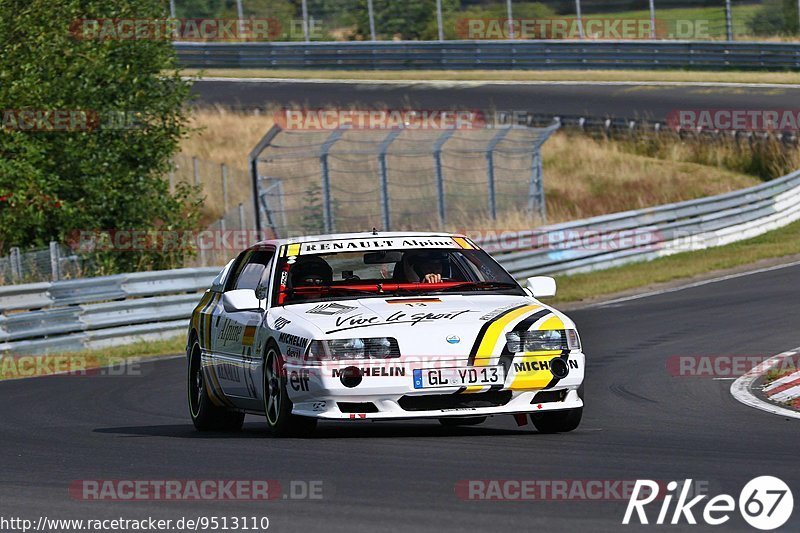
(379,326)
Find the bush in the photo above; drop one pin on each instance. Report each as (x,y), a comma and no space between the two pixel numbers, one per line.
(775,17)
(54,183)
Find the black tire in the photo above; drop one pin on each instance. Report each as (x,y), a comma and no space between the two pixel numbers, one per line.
(205,415)
(559,421)
(464,421)
(277,405)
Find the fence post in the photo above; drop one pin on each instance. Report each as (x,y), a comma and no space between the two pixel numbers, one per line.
(510,14)
(240,14)
(439,22)
(384,176)
(579,18)
(499,136)
(536,199)
(728,20)
(327,207)
(371,12)
(54,261)
(305,20)
(195,170)
(652,19)
(385,215)
(16,263)
(224,187)
(437,159)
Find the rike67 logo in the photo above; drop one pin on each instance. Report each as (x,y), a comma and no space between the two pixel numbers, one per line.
(765,503)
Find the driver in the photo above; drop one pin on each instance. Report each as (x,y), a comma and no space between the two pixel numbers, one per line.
(311,270)
(424,267)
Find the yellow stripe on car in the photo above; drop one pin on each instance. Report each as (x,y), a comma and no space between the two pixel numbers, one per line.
(489,341)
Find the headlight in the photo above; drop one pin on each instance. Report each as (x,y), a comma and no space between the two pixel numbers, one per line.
(543,340)
(339,349)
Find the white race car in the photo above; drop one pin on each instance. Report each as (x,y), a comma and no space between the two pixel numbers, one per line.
(379,326)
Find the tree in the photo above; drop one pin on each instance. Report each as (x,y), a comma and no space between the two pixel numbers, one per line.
(107,172)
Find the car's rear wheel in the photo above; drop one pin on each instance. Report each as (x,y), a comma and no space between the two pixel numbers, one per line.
(205,415)
(277,405)
(463,421)
(559,421)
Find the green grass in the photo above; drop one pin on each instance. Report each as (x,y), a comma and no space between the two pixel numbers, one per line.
(74,362)
(775,244)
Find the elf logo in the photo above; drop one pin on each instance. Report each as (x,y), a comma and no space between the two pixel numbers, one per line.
(299,381)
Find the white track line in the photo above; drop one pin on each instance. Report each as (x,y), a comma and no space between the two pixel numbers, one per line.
(479,83)
(690,285)
(741,388)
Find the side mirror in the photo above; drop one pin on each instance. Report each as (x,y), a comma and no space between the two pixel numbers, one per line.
(542,286)
(241,300)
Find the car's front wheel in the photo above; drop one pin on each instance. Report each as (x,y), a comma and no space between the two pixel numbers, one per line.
(277,405)
(205,415)
(559,421)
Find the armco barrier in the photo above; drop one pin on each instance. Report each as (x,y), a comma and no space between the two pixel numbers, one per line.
(98,312)
(612,240)
(509,54)
(95,312)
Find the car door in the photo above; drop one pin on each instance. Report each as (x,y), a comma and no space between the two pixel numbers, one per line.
(235,341)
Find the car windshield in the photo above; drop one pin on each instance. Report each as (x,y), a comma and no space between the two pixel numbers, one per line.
(312,277)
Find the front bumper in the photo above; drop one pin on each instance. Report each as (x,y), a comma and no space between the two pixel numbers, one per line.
(385,390)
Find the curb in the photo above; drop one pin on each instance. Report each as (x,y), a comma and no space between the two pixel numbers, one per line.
(747,388)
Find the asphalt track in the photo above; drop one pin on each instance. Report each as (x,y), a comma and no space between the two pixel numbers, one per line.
(640,422)
(644,101)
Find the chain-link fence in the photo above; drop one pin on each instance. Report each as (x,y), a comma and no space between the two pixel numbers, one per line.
(54,263)
(331,20)
(345,179)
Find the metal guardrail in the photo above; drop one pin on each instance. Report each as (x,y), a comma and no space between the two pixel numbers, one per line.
(632,236)
(92,312)
(507,54)
(71,315)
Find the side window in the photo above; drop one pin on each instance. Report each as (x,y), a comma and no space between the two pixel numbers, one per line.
(236,269)
(254,270)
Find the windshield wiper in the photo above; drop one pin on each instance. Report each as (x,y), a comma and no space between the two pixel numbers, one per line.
(481,285)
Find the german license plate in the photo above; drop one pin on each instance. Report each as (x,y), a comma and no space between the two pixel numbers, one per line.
(431,378)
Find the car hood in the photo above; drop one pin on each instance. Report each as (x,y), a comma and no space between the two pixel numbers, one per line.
(445,324)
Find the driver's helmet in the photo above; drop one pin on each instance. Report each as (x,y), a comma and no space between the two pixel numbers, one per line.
(311,270)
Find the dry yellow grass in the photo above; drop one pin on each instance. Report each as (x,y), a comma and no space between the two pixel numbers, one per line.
(583,176)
